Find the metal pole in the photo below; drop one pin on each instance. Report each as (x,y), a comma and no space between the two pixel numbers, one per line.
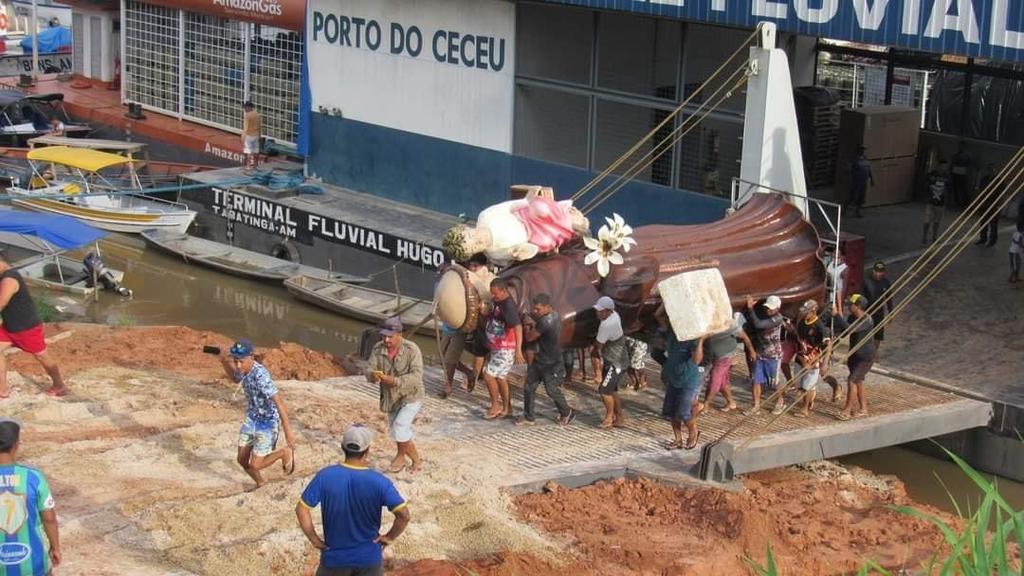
(34,29)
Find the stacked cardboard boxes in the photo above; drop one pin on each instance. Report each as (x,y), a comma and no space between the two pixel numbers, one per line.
(889,133)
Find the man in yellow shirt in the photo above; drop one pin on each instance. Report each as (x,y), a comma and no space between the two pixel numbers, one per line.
(251,128)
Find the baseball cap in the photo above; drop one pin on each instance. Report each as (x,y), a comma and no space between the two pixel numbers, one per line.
(772,302)
(10,431)
(391,326)
(357,438)
(604,303)
(879,266)
(241,349)
(808,306)
(857,299)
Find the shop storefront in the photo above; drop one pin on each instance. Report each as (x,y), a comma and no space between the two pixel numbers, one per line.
(202,60)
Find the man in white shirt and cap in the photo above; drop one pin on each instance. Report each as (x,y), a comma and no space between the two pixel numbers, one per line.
(611,345)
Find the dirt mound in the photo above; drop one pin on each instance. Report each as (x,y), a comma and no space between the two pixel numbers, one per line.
(819,522)
(167,349)
(503,564)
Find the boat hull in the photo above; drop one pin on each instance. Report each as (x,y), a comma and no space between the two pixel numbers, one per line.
(40,274)
(360,303)
(236,261)
(112,220)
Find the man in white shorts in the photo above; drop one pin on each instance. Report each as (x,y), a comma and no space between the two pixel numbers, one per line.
(397,365)
(251,132)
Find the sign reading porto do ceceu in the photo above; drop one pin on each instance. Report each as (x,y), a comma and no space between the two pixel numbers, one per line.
(454,47)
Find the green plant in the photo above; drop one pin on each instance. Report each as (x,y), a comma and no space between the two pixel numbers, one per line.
(123,321)
(46,310)
(981,548)
(976,550)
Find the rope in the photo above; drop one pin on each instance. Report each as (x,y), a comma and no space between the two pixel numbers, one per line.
(666,144)
(1015,167)
(604,173)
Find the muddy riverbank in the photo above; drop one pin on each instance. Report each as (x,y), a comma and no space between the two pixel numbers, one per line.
(141,461)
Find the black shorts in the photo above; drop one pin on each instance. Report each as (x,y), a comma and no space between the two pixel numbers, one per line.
(477,344)
(610,379)
(859,368)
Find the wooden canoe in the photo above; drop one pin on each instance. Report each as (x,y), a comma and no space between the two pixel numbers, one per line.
(237,261)
(361,303)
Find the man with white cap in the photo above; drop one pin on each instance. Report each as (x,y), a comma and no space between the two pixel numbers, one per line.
(351,496)
(768,345)
(611,345)
(397,365)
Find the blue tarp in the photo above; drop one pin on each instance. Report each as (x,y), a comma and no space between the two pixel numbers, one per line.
(63,232)
(51,40)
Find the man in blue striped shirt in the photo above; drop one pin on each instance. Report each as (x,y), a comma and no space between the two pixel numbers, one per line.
(29,543)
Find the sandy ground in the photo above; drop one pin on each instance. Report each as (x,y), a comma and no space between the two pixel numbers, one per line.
(141,461)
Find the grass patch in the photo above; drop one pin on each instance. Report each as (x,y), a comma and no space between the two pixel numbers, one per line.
(987,544)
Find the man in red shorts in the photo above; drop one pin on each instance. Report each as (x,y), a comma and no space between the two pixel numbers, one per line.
(22,328)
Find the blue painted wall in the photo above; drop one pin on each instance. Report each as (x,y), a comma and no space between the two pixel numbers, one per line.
(456,178)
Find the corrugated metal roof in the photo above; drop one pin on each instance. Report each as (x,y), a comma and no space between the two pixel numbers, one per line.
(982,28)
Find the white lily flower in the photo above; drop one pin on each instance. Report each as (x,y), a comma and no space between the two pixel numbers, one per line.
(604,250)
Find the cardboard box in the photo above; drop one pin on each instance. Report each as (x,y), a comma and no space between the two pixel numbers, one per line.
(894,181)
(886,131)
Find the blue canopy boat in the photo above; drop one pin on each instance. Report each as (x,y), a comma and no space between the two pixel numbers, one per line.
(41,240)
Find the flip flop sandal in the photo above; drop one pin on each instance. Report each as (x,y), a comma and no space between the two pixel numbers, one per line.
(844,416)
(674,446)
(56,393)
(605,426)
(799,415)
(396,470)
(490,416)
(730,408)
(752,411)
(778,410)
(861,413)
(693,444)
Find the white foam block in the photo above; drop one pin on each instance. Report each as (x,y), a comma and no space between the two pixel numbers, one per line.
(697,303)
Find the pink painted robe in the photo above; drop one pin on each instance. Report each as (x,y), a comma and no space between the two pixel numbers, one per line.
(548,223)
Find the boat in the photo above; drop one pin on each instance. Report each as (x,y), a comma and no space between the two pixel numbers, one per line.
(24,116)
(74,182)
(362,303)
(149,170)
(237,261)
(45,238)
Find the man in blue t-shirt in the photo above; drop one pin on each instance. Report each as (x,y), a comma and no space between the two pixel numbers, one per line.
(264,416)
(351,496)
(29,542)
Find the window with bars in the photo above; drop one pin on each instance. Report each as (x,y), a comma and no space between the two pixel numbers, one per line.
(587,93)
(225,63)
(151,61)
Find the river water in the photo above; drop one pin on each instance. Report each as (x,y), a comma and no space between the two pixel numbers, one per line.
(169,291)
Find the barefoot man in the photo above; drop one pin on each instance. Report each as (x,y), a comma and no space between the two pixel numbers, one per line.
(22,329)
(611,345)
(397,365)
(265,414)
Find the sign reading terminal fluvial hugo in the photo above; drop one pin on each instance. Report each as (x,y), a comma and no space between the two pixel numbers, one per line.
(986,28)
(304,227)
(404,39)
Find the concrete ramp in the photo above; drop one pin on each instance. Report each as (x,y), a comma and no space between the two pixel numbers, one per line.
(721,461)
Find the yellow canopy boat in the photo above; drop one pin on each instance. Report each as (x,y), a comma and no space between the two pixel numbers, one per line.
(70,181)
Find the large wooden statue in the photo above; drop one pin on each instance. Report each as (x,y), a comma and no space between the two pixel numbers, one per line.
(764,248)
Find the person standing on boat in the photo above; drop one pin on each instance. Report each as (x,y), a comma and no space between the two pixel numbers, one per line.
(252,127)
(23,329)
(265,415)
(396,364)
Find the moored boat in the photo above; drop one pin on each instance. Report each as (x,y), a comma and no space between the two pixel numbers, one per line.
(41,240)
(71,182)
(239,262)
(362,303)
